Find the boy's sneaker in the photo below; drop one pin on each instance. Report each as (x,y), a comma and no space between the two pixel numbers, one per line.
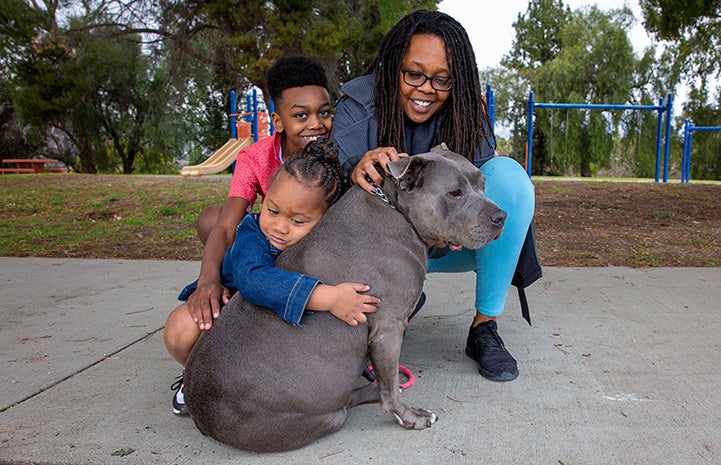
(178,397)
(368,374)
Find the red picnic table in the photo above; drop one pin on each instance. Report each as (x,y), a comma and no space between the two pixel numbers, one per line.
(33,165)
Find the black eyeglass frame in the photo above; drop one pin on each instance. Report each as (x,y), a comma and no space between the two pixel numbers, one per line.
(404,71)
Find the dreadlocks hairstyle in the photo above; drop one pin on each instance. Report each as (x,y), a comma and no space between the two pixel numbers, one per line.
(294,71)
(317,166)
(463,121)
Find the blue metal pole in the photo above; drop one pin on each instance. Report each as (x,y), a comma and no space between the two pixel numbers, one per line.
(271,109)
(248,105)
(233,115)
(529,140)
(684,150)
(493,113)
(255,115)
(233,121)
(599,106)
(491,109)
(669,114)
(659,129)
(691,129)
(491,104)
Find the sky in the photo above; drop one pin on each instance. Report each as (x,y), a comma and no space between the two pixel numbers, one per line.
(492,38)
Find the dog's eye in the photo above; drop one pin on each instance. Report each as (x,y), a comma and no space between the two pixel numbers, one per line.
(455,193)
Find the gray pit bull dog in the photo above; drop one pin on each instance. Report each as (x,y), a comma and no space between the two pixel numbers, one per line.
(257,383)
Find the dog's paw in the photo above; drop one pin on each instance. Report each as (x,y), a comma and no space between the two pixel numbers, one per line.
(415,418)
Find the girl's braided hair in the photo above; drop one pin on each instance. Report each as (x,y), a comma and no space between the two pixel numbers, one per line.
(464,123)
(317,166)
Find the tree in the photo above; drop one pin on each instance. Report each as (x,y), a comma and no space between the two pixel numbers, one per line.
(241,40)
(589,60)
(114,83)
(693,29)
(93,94)
(537,42)
(16,140)
(596,65)
(693,33)
(538,35)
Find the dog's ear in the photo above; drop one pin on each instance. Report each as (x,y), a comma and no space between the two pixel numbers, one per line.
(408,171)
(442,147)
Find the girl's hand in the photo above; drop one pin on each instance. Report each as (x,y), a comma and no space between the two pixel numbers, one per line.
(367,166)
(350,303)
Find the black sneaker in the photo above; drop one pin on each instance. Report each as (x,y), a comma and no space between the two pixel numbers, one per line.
(485,346)
(178,397)
(368,374)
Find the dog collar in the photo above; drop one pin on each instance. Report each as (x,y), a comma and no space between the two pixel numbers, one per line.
(376,190)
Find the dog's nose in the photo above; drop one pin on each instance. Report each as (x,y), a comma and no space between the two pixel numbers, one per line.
(498,217)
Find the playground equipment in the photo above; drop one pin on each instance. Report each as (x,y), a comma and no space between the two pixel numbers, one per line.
(491,103)
(260,124)
(688,130)
(244,131)
(220,160)
(661,108)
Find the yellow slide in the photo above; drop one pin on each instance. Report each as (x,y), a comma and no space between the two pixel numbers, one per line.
(220,160)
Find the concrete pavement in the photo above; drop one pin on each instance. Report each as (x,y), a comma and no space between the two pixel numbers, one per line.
(621,366)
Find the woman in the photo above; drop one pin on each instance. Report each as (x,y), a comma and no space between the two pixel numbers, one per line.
(425,90)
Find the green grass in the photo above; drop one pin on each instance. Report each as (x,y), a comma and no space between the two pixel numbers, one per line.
(71,215)
(662,215)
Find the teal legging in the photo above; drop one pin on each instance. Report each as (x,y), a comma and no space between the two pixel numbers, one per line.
(508,185)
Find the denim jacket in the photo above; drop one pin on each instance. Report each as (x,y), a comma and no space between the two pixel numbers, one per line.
(249,268)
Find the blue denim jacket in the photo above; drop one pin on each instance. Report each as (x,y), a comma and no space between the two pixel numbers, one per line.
(249,268)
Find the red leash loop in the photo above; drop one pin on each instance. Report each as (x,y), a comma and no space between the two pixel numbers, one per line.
(406,372)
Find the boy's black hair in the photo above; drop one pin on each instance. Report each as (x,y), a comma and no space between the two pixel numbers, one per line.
(317,166)
(463,122)
(294,71)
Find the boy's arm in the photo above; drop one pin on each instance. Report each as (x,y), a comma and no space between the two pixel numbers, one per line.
(205,303)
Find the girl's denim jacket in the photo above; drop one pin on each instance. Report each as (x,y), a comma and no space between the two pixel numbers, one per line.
(249,268)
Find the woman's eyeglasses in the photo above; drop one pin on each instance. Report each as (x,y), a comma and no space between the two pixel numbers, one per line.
(417,79)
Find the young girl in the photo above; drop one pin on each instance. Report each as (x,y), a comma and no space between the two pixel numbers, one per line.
(299,194)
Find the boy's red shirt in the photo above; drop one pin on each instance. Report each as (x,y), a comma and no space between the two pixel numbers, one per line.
(254,166)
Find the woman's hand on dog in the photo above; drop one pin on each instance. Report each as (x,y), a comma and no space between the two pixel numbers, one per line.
(367,167)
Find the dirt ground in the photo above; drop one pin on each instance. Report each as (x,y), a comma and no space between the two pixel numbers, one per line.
(638,224)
